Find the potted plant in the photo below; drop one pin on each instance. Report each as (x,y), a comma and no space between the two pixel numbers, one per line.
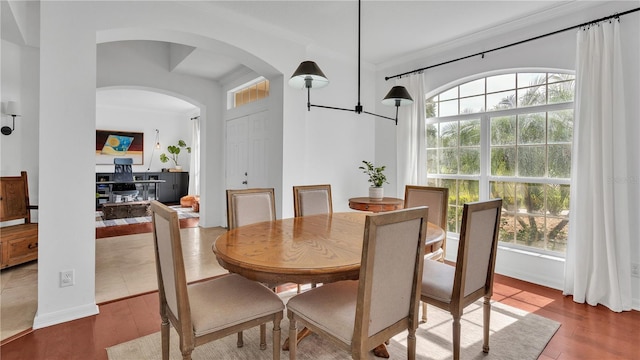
(174,151)
(377,178)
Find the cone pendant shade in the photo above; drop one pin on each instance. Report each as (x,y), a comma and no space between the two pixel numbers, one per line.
(308,75)
(397,96)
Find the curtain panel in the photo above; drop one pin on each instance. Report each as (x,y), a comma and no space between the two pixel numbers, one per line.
(598,260)
(194,165)
(410,132)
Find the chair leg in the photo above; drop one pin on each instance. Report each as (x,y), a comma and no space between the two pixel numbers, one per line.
(424,312)
(293,335)
(411,344)
(276,337)
(240,342)
(456,337)
(263,336)
(164,334)
(486,310)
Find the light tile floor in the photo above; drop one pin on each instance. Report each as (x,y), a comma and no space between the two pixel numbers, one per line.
(125,266)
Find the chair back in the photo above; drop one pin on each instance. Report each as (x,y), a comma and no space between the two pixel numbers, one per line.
(476,260)
(123,171)
(249,206)
(312,200)
(436,198)
(14,198)
(390,276)
(172,280)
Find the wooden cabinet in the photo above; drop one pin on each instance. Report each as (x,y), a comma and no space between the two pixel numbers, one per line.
(19,244)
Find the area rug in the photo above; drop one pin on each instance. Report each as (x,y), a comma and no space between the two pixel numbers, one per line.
(515,334)
(183,213)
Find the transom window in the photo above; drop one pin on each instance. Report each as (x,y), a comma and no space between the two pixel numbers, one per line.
(506,136)
(250,92)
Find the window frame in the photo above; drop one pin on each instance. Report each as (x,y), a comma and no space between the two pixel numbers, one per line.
(485,178)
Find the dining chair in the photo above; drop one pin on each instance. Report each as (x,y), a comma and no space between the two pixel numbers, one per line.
(452,288)
(248,206)
(360,315)
(312,200)
(436,198)
(208,310)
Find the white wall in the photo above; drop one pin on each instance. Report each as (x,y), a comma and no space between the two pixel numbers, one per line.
(172,127)
(67,125)
(19,151)
(554,52)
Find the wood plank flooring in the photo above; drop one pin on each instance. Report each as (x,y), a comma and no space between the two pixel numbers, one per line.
(587,332)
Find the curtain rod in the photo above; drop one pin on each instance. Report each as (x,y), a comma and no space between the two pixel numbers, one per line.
(616,15)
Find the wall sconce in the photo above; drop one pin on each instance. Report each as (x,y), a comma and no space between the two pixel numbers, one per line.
(13,110)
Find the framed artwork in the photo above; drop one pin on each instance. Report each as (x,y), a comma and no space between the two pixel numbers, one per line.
(111,144)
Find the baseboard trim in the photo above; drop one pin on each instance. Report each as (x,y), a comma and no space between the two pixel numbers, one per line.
(58,317)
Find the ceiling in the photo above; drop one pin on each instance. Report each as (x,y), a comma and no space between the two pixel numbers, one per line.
(390,29)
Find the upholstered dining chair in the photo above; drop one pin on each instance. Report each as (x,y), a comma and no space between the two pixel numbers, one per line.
(436,198)
(249,206)
(453,288)
(312,200)
(360,315)
(208,310)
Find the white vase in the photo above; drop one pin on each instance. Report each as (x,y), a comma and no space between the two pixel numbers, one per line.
(178,167)
(376,193)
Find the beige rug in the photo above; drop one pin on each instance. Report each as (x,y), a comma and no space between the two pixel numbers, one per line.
(515,334)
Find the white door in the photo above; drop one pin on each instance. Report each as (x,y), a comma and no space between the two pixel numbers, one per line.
(237,153)
(247,151)
(257,167)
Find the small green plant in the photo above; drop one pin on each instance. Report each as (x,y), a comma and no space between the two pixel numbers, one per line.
(174,151)
(376,174)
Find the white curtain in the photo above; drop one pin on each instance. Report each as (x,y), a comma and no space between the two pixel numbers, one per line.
(598,263)
(409,132)
(194,165)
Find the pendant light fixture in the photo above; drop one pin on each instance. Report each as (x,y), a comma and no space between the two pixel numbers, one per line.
(308,75)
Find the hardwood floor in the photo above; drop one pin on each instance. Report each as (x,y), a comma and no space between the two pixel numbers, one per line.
(587,332)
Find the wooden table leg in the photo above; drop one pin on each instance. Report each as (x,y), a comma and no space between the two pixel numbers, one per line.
(301,335)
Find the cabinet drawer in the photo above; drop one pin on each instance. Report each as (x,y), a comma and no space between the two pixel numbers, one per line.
(19,244)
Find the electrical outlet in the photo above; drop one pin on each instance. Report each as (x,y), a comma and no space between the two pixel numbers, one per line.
(635,270)
(67,278)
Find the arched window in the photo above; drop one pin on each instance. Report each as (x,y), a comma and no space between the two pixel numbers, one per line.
(506,136)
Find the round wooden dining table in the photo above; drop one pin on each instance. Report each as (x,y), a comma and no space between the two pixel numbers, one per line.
(309,249)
